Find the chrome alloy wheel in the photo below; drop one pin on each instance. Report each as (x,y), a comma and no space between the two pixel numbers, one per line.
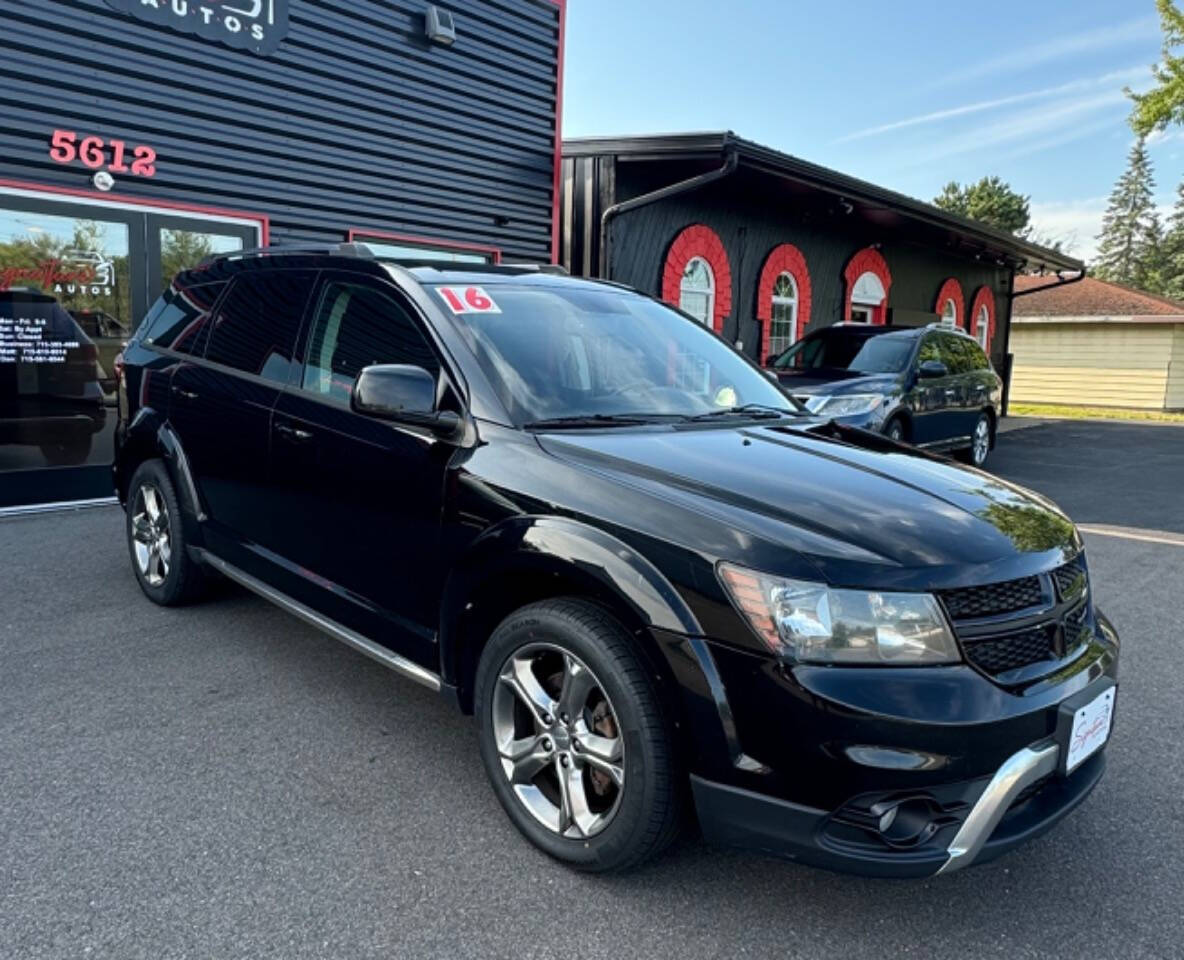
(559,740)
(982,441)
(151,535)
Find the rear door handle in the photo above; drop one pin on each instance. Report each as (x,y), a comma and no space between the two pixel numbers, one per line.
(295,434)
(185,394)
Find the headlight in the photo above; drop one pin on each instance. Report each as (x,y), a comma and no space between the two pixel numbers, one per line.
(846,405)
(811,623)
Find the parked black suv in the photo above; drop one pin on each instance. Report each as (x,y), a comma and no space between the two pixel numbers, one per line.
(929,386)
(649,573)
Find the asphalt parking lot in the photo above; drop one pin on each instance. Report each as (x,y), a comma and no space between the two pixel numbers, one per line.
(222,781)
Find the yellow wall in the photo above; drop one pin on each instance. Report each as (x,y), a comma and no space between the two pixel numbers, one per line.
(1175,391)
(1104,364)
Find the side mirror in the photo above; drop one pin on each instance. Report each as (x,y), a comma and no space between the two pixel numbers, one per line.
(404,394)
(771,359)
(932,370)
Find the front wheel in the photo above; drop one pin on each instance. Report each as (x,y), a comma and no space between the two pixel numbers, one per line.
(573,737)
(980,442)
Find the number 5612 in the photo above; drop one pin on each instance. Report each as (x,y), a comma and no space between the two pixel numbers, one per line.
(95,153)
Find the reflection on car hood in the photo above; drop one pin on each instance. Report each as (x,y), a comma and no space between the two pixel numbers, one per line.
(787,486)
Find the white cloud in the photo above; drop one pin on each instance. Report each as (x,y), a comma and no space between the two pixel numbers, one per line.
(1114,79)
(1078,222)
(1056,48)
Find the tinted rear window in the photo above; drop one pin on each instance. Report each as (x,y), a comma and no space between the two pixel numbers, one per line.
(257,323)
(177,319)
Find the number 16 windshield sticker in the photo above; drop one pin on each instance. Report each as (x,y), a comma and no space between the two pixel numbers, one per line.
(468,300)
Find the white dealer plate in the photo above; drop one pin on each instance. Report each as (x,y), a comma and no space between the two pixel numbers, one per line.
(1090,730)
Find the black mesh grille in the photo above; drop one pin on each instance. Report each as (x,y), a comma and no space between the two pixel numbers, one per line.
(1076,623)
(1070,579)
(999,654)
(993,599)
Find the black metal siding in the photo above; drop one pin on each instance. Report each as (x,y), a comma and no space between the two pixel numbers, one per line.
(356,121)
(750,222)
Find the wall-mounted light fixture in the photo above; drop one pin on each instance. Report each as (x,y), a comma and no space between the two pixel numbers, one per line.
(441,27)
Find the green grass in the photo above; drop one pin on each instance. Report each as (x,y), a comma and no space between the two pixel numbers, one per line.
(1059,411)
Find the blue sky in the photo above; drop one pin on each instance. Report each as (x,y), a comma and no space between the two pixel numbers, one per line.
(909,94)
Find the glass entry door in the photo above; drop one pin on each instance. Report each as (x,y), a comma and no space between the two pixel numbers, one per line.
(75,279)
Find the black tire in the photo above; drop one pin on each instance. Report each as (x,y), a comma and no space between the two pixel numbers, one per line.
(68,453)
(649,811)
(983,439)
(179,580)
(895,430)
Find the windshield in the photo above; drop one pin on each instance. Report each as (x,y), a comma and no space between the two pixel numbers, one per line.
(569,352)
(844,350)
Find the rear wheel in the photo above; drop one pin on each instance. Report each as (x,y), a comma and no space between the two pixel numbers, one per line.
(573,738)
(980,442)
(156,538)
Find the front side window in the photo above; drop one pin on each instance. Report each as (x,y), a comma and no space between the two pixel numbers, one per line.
(785,314)
(697,292)
(256,326)
(356,326)
(569,351)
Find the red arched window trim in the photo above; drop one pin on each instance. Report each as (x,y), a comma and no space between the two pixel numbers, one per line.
(951,290)
(785,258)
(699,241)
(983,297)
(868,260)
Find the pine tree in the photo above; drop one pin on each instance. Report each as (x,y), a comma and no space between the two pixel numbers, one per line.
(1129,242)
(1173,250)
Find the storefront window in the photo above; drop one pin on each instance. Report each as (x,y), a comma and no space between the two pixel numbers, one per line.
(184,249)
(65,310)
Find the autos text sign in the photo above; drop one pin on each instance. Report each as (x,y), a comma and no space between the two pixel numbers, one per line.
(257,25)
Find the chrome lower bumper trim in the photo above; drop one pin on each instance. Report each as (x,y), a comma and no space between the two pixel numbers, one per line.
(1018,773)
(338,632)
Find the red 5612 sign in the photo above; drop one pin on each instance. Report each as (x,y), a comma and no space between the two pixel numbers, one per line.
(468,300)
(95,153)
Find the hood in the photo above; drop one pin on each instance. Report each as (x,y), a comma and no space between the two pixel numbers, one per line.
(862,517)
(806,382)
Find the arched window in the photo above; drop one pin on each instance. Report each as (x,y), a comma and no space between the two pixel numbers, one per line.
(949,315)
(697,276)
(949,305)
(868,282)
(982,328)
(784,323)
(697,290)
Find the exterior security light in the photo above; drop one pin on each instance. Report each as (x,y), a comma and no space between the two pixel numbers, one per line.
(441,28)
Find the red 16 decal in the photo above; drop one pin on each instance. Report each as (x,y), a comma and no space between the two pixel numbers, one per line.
(468,300)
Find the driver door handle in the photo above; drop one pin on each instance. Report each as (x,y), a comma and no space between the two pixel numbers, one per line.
(295,434)
(185,394)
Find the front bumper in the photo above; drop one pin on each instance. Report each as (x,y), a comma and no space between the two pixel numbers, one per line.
(895,775)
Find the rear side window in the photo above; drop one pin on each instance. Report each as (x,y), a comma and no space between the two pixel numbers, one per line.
(177,320)
(958,353)
(256,325)
(357,325)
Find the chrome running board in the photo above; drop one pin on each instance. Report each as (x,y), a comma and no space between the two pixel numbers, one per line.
(1019,771)
(347,636)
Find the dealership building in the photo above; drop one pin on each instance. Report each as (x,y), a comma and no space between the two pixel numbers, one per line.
(137,137)
(765,247)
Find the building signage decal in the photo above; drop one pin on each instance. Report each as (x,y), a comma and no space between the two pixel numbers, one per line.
(95,153)
(78,271)
(257,25)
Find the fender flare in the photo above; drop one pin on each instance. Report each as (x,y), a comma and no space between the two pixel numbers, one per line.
(537,545)
(149,435)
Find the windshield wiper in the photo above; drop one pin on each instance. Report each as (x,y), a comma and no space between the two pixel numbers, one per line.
(760,411)
(593,420)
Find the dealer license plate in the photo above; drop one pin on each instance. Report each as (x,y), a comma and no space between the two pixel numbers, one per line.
(1090,729)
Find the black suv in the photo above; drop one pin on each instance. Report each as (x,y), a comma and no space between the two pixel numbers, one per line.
(652,576)
(929,386)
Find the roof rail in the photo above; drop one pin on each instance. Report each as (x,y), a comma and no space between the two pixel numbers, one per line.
(281,250)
